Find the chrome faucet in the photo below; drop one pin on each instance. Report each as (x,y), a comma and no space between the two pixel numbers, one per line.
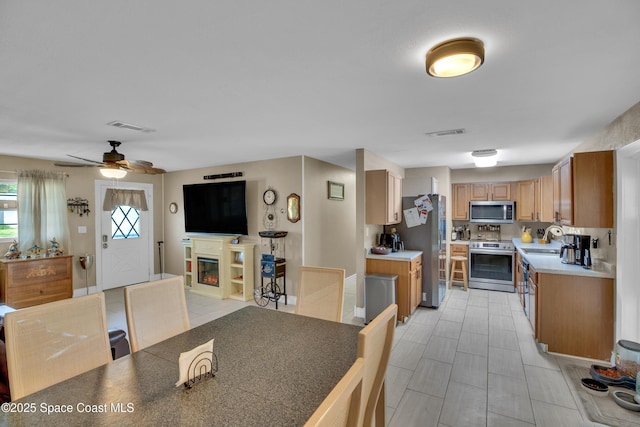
(556,230)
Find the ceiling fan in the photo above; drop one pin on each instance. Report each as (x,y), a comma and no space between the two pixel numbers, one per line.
(114,165)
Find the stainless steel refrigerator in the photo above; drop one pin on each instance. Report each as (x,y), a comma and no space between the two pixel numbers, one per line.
(430,238)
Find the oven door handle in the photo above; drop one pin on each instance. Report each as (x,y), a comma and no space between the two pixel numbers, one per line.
(490,252)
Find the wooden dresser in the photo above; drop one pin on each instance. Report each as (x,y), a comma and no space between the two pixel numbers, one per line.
(28,282)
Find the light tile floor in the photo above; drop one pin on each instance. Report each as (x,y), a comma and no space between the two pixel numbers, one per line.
(472,362)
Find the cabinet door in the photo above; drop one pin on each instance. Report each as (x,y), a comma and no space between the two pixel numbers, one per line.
(501,191)
(555,176)
(383,197)
(460,201)
(480,192)
(526,200)
(593,189)
(566,192)
(394,212)
(546,199)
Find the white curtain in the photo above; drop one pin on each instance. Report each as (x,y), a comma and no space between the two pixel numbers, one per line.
(42,209)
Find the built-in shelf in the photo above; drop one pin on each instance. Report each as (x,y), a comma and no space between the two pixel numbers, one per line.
(205,257)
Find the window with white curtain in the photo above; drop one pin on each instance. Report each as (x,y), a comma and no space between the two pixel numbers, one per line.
(8,209)
(42,209)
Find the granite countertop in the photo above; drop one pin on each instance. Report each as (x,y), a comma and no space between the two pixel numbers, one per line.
(552,264)
(397,256)
(459,242)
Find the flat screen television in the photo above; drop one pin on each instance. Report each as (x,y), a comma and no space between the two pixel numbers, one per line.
(217,207)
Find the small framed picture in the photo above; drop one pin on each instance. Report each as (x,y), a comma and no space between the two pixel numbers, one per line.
(336,190)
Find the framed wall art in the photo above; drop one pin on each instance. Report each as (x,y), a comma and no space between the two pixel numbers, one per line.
(335,190)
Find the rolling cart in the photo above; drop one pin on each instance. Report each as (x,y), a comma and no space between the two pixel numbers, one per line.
(273,267)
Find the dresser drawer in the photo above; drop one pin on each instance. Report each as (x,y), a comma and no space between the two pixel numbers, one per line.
(39,293)
(37,271)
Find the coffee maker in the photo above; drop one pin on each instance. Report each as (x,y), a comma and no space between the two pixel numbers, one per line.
(583,250)
(390,240)
(568,249)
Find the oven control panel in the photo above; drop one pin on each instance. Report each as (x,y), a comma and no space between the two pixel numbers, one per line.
(505,246)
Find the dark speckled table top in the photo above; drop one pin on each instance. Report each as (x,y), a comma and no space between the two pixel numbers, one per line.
(274,369)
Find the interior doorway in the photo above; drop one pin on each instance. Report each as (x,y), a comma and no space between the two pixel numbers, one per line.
(124,238)
(628,247)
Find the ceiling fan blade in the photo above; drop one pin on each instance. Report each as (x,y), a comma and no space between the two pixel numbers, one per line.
(86,160)
(141,166)
(74,165)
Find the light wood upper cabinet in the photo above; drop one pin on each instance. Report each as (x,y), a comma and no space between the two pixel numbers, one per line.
(460,202)
(583,190)
(546,199)
(534,199)
(491,191)
(526,195)
(384,197)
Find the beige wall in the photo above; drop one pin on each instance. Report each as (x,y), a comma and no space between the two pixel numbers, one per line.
(329,225)
(624,130)
(80,183)
(283,175)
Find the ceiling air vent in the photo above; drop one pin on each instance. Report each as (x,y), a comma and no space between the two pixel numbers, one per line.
(446,132)
(129,126)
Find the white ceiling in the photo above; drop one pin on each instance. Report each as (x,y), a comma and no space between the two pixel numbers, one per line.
(230,81)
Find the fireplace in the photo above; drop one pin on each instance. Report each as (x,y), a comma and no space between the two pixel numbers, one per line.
(208,271)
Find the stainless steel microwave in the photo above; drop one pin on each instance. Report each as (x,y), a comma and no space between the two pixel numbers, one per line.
(492,212)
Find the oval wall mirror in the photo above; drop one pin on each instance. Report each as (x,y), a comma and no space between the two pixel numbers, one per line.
(293,207)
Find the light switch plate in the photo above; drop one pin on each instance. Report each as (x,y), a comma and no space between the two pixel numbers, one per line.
(82,229)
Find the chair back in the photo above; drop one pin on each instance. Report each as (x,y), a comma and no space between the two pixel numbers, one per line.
(49,343)
(341,408)
(320,292)
(155,311)
(374,345)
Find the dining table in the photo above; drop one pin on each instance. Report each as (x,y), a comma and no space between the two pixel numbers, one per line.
(274,369)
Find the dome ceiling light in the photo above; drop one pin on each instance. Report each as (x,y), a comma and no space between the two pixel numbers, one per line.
(455,57)
(485,158)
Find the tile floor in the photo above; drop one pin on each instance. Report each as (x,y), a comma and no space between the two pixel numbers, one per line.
(472,362)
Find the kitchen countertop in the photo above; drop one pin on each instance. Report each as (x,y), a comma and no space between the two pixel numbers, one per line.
(548,263)
(397,256)
(459,242)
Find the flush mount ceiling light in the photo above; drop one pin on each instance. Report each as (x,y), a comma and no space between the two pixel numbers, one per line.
(113,173)
(485,158)
(455,57)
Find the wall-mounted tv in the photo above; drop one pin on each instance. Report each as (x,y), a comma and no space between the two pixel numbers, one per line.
(217,207)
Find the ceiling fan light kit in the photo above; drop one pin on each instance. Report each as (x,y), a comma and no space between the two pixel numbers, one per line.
(455,57)
(113,173)
(485,158)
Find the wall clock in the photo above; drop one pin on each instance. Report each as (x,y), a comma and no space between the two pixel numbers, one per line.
(269,197)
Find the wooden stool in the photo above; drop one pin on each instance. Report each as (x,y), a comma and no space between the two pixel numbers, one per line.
(462,268)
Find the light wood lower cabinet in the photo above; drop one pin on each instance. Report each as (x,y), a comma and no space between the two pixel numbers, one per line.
(408,284)
(574,314)
(29,282)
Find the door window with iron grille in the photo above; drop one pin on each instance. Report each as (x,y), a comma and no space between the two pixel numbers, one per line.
(125,223)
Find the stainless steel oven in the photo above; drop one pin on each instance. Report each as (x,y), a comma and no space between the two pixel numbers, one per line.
(491,265)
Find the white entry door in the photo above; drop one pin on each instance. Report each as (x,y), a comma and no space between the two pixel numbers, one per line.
(124,239)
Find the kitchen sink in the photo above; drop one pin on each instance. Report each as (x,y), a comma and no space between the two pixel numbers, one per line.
(541,251)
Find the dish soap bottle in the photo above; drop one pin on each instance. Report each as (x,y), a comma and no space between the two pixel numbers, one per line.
(526,235)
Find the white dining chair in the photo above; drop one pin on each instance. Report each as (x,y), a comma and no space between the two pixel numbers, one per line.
(52,342)
(341,408)
(374,345)
(155,311)
(320,292)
